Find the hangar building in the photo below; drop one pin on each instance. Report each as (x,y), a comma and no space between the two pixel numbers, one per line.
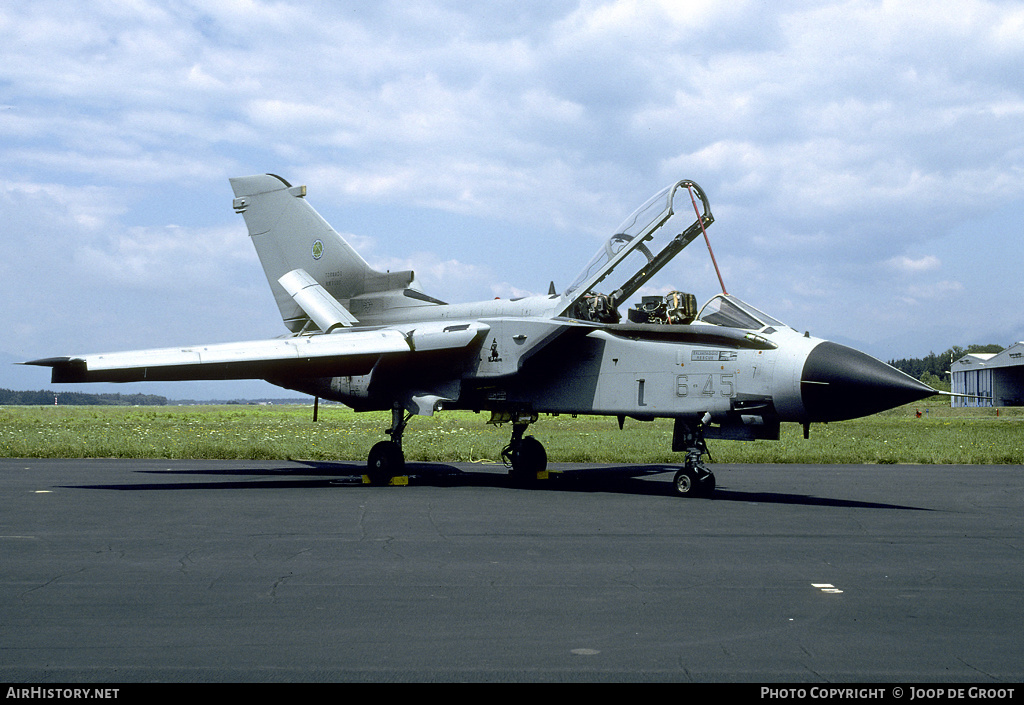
(996,375)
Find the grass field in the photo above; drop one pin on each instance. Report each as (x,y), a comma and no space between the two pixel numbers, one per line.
(940,435)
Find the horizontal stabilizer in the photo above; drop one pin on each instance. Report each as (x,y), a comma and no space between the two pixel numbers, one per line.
(322,308)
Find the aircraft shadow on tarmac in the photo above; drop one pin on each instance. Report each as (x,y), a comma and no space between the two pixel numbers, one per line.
(625,479)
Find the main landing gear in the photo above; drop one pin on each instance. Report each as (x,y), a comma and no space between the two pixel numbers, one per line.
(386,458)
(524,456)
(693,479)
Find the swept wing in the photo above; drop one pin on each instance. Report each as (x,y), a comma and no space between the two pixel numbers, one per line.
(347,352)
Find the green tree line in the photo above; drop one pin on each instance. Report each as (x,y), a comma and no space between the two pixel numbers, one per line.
(9,397)
(936,367)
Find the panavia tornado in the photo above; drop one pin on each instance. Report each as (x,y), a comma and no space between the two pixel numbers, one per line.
(376,341)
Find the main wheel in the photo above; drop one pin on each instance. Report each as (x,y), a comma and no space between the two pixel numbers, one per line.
(528,458)
(386,460)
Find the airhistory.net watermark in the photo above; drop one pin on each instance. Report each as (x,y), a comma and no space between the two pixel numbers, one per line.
(40,693)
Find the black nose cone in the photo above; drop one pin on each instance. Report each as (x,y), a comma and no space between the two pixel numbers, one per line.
(842,383)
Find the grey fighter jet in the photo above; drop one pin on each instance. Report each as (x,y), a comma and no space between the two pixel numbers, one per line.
(376,341)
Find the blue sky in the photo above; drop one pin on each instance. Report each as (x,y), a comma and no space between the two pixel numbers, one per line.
(864,160)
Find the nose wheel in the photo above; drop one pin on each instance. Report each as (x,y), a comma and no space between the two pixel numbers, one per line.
(693,479)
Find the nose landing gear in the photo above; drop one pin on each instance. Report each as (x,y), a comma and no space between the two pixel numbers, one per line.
(694,479)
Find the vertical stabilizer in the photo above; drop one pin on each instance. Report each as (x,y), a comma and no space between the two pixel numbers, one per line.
(290,235)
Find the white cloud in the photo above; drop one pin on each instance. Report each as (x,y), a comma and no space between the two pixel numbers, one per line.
(908,265)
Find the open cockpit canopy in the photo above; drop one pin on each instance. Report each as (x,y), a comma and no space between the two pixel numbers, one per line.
(644,243)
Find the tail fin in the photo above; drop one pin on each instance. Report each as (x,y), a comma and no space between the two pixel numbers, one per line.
(290,235)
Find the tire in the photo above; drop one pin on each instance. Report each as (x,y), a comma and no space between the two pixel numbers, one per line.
(691,482)
(385,461)
(528,459)
(685,483)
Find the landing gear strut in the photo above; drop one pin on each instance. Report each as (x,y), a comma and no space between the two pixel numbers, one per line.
(694,479)
(524,456)
(386,458)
